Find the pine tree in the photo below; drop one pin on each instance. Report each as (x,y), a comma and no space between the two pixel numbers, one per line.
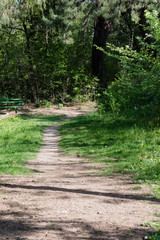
(98,17)
(106,14)
(11,9)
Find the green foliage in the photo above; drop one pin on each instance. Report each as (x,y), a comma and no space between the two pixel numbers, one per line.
(85,87)
(35,60)
(153,236)
(125,144)
(43,103)
(155,224)
(136,85)
(60,105)
(37,65)
(20,140)
(45,47)
(47,104)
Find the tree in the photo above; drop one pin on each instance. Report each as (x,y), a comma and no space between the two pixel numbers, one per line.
(136,86)
(56,41)
(39,58)
(108,13)
(100,16)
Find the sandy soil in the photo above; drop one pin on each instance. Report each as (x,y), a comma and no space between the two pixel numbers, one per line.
(64,200)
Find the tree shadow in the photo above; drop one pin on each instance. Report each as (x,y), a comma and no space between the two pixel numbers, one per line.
(86,231)
(75,229)
(41,117)
(85,192)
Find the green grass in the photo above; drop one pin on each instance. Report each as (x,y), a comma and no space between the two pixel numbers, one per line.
(155,224)
(20,140)
(125,144)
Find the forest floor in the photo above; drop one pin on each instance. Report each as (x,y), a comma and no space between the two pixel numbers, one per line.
(65,200)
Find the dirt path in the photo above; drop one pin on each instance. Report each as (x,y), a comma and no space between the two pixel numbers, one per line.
(65,201)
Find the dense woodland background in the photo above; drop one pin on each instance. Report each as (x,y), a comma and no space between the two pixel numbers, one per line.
(65,51)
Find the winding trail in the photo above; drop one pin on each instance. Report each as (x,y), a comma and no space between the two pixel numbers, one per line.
(63,200)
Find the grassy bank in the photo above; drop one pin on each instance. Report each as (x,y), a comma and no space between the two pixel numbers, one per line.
(125,144)
(20,140)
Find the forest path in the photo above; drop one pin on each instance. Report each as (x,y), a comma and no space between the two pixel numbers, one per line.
(63,200)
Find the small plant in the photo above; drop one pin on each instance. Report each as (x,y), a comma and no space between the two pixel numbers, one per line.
(60,105)
(43,103)
(37,104)
(153,236)
(101,109)
(137,188)
(153,224)
(48,104)
(3,197)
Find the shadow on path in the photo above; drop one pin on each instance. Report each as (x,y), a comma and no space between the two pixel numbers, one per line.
(86,192)
(66,230)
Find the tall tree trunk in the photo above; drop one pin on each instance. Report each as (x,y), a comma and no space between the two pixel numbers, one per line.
(31,81)
(102,30)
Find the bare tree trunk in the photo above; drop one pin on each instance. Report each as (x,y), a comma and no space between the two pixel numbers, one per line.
(31,81)
(102,30)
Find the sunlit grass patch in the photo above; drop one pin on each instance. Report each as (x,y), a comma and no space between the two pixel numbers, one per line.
(20,140)
(126,145)
(155,224)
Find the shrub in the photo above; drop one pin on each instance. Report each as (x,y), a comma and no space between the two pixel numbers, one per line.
(43,103)
(153,236)
(136,86)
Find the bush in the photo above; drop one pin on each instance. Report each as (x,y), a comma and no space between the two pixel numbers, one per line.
(43,103)
(137,84)
(153,236)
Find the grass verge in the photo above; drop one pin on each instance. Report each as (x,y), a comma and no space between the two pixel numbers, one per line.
(125,144)
(20,140)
